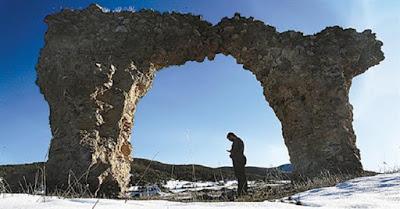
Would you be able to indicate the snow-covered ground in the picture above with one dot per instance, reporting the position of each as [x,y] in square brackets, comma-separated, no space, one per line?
[381,191]
[178,186]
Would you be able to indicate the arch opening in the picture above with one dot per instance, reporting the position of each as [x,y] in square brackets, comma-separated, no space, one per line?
[190,109]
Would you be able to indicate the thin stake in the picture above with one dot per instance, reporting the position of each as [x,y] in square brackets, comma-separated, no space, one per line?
[147,168]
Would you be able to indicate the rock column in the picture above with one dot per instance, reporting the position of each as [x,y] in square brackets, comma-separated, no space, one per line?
[306,80]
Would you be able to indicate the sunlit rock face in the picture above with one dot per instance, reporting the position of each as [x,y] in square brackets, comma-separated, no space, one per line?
[95,66]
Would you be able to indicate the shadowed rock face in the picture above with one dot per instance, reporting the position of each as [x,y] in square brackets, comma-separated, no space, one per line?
[95,67]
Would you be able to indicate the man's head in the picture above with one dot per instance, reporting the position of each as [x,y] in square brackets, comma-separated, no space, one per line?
[231,136]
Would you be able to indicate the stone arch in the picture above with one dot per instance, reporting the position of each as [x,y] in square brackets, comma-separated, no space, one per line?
[187,122]
[95,67]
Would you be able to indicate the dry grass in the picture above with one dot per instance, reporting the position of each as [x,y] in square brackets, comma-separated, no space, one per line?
[76,189]
[392,170]
[272,193]
[4,187]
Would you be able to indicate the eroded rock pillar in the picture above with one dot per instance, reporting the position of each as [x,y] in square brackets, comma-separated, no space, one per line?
[94,68]
[316,119]
[306,80]
[91,114]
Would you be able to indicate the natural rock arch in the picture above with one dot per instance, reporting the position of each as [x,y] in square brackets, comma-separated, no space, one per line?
[95,67]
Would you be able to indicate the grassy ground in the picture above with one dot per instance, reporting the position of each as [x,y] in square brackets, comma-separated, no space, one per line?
[26,177]
[29,179]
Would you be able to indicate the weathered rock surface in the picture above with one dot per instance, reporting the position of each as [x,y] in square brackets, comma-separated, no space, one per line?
[95,67]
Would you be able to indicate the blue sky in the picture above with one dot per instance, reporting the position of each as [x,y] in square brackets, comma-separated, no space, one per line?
[187,113]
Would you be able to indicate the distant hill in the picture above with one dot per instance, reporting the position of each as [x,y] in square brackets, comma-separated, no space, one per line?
[286,168]
[158,172]
[149,172]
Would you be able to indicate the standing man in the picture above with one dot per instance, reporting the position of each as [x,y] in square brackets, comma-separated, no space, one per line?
[239,162]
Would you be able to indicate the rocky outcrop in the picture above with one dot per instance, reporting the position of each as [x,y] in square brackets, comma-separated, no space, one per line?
[306,80]
[95,67]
